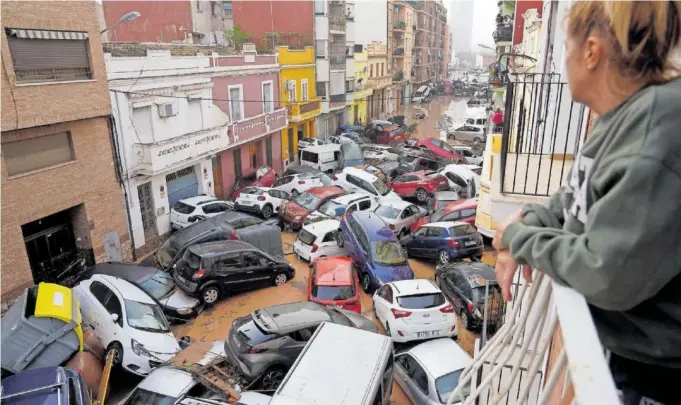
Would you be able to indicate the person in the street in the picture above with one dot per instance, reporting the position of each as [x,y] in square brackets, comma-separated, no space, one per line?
[613,232]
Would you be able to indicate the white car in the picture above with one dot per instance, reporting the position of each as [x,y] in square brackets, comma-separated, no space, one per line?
[354,180]
[307,142]
[348,202]
[462,178]
[170,385]
[193,209]
[317,240]
[467,153]
[400,215]
[429,372]
[299,183]
[414,310]
[379,152]
[467,132]
[265,201]
[126,318]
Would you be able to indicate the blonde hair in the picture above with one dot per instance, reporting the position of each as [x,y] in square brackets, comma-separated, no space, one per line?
[642,37]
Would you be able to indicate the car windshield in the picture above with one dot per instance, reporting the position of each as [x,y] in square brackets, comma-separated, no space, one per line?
[307,140]
[447,147]
[143,397]
[421,301]
[381,187]
[329,208]
[387,212]
[478,293]
[147,317]
[182,208]
[446,384]
[306,237]
[325,292]
[308,201]
[159,285]
[388,252]
[166,253]
[462,230]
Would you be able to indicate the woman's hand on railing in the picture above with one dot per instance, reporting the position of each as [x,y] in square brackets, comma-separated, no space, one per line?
[505,270]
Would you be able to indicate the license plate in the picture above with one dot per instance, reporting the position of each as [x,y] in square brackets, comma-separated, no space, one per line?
[248,202]
[179,277]
[472,243]
[428,333]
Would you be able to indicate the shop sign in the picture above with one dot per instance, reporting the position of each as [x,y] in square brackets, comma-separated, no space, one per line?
[260,125]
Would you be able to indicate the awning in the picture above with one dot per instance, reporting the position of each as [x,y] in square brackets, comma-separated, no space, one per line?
[44,34]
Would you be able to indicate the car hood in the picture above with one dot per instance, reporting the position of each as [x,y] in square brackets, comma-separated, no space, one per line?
[392,195]
[293,209]
[393,273]
[359,321]
[161,345]
[179,299]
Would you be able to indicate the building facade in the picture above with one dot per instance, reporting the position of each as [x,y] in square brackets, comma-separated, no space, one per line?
[298,96]
[61,198]
[274,23]
[359,111]
[401,30]
[380,80]
[429,42]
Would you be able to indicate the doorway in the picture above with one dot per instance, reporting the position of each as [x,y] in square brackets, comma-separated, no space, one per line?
[181,184]
[291,153]
[355,113]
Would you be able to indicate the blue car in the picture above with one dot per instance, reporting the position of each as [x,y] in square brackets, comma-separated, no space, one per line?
[374,249]
[349,128]
[444,241]
[45,386]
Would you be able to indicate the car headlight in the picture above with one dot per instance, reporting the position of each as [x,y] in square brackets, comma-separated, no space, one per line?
[138,348]
[477,313]
[298,218]
[184,311]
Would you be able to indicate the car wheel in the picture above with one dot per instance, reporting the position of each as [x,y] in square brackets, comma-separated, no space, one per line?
[210,295]
[272,378]
[280,279]
[443,257]
[294,193]
[421,195]
[465,322]
[366,283]
[477,141]
[267,211]
[402,234]
[339,239]
[118,356]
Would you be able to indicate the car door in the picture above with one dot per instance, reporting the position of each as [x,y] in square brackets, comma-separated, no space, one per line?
[408,217]
[383,303]
[402,370]
[294,343]
[328,245]
[258,269]
[399,185]
[432,241]
[284,184]
[104,305]
[415,242]
[414,380]
[457,283]
[277,197]
[216,208]
[229,271]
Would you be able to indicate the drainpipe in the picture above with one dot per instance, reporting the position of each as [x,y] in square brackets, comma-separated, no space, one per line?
[119,177]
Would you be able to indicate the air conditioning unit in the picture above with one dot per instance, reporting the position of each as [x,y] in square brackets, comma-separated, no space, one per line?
[290,85]
[167,110]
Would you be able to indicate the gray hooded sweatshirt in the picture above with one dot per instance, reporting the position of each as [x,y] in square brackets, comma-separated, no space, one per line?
[613,232]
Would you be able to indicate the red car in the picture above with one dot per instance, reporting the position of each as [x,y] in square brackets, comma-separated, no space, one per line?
[265,176]
[462,211]
[421,184]
[333,282]
[440,149]
[293,213]
[391,135]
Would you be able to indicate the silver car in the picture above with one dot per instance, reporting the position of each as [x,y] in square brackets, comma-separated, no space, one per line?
[468,133]
[429,372]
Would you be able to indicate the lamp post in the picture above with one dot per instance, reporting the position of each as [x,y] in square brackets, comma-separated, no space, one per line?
[125,18]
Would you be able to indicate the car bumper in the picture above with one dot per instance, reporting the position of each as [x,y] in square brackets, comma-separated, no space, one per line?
[174,316]
[467,252]
[187,286]
[401,332]
[235,361]
[291,223]
[255,208]
[141,365]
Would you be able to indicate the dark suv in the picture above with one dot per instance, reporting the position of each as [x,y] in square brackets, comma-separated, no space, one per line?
[410,164]
[216,269]
[464,285]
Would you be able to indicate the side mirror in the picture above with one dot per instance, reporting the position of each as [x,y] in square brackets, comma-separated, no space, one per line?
[114,317]
[340,211]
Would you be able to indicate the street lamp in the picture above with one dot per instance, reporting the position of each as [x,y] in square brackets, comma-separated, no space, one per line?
[125,18]
[487,47]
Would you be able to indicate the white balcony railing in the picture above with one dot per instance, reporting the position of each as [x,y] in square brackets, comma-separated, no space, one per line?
[550,345]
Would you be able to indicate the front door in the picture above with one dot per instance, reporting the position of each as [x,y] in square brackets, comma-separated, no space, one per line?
[217,177]
[229,272]
[146,199]
[181,184]
[258,270]
[51,247]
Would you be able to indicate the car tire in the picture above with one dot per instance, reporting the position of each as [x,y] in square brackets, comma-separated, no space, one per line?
[118,359]
[267,211]
[421,195]
[294,193]
[210,295]
[465,322]
[280,279]
[340,240]
[271,378]
[365,283]
[443,257]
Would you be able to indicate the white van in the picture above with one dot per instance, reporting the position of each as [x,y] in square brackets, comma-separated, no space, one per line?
[340,365]
[421,95]
[324,158]
[354,180]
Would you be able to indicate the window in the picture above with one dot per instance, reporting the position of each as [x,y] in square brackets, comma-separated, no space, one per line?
[227,8]
[268,150]
[100,292]
[113,306]
[349,86]
[252,259]
[236,102]
[237,162]
[420,378]
[230,262]
[320,48]
[49,56]
[267,97]
[291,89]
[382,68]
[303,90]
[321,89]
[358,48]
[467,213]
[141,121]
[364,205]
[319,6]
[253,153]
[214,208]
[37,153]
[436,232]
[329,237]
[371,70]
[194,118]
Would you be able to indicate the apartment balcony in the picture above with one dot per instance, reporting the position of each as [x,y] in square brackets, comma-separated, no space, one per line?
[337,62]
[399,26]
[362,91]
[398,77]
[303,110]
[398,52]
[336,101]
[546,353]
[380,82]
[337,25]
[503,34]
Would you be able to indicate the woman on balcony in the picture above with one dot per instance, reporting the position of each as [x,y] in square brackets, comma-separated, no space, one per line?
[613,232]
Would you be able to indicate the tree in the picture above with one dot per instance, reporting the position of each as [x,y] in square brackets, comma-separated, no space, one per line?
[237,37]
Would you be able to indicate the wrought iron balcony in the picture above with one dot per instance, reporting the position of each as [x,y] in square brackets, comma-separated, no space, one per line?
[503,33]
[399,52]
[398,76]
[399,25]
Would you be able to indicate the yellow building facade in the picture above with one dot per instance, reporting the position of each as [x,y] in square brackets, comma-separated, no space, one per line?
[359,109]
[299,95]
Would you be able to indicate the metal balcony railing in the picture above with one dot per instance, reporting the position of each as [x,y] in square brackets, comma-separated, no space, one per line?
[337,62]
[398,52]
[503,33]
[398,76]
[399,25]
[547,352]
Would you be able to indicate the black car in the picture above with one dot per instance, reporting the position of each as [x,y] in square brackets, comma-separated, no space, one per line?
[389,169]
[214,270]
[266,235]
[298,169]
[176,304]
[464,285]
[410,164]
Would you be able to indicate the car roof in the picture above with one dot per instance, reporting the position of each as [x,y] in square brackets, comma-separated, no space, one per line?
[333,271]
[477,272]
[423,173]
[287,318]
[364,175]
[374,225]
[329,147]
[132,272]
[397,204]
[197,200]
[461,204]
[346,199]
[445,194]
[167,380]
[322,227]
[460,170]
[441,356]
[220,247]
[415,286]
[325,191]
[127,289]
[445,224]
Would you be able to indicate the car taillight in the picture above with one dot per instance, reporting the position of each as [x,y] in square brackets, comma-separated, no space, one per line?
[470,307]
[234,236]
[261,198]
[334,178]
[256,350]
[301,181]
[398,313]
[198,274]
[392,227]
[453,243]
[195,218]
[447,309]
[314,248]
